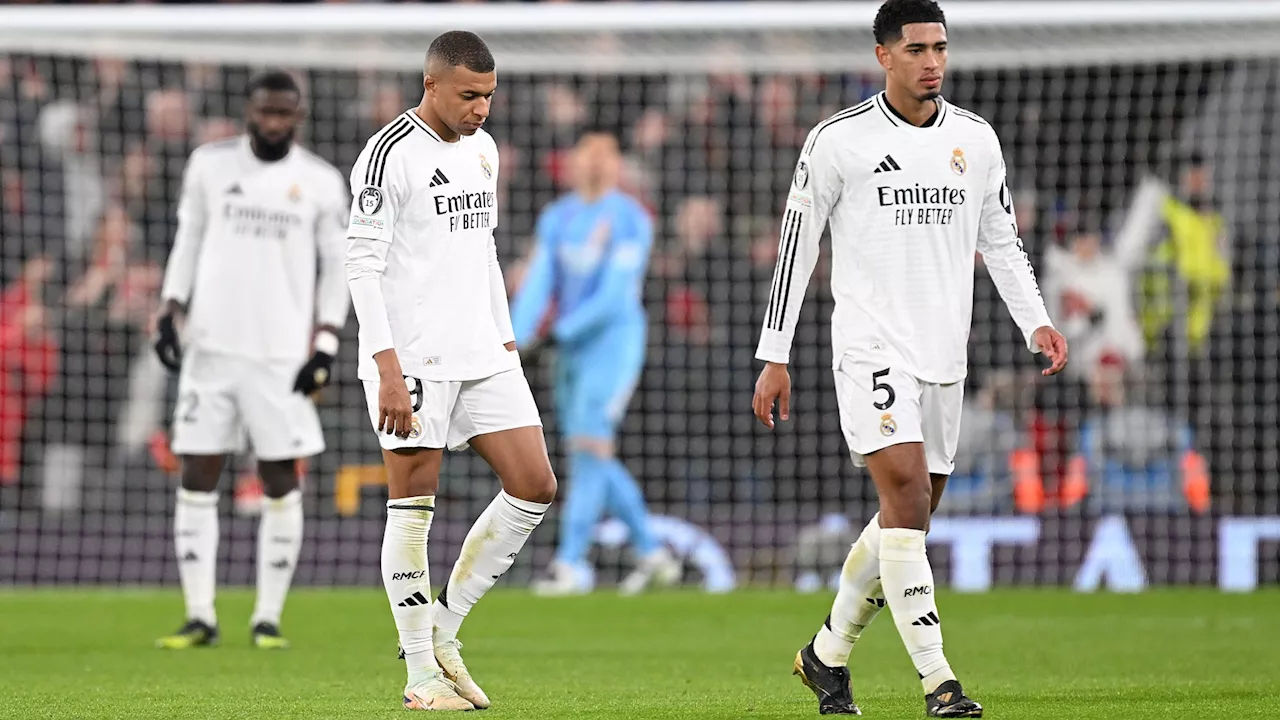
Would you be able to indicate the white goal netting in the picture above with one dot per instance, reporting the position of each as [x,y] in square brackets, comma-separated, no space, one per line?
[1143,152]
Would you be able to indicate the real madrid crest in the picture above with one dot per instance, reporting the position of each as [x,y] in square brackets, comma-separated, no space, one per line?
[484,166]
[802,175]
[958,164]
[295,193]
[415,429]
[887,426]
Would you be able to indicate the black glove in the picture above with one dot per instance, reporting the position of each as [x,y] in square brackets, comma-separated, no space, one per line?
[168,347]
[315,374]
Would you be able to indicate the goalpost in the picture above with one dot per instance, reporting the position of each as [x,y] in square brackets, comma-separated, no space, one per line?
[1141,139]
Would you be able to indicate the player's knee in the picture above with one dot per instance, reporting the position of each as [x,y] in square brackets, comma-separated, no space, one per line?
[200,473]
[907,498]
[534,485]
[279,477]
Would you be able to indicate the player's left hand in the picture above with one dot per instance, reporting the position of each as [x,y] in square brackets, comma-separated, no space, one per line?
[315,374]
[1054,346]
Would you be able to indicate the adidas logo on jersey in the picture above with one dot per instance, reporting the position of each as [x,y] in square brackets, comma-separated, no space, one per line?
[235,190]
[887,165]
[438,179]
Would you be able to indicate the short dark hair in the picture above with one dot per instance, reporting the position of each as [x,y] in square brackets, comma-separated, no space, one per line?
[273,81]
[896,13]
[459,47]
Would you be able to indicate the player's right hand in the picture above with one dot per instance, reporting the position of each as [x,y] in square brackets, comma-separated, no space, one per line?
[395,411]
[773,385]
[168,346]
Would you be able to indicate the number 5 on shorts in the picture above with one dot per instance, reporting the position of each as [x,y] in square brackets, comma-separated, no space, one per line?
[877,386]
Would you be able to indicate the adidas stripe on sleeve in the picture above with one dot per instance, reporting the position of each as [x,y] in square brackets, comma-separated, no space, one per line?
[815,187]
[376,192]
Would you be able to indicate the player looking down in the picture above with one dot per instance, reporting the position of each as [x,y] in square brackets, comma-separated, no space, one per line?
[438,357]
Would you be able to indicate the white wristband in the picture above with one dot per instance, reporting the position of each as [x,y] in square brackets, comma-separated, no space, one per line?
[327,343]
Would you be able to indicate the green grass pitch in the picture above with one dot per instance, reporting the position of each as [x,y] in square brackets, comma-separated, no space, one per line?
[1024,654]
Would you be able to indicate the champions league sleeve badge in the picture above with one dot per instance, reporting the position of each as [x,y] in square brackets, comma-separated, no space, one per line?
[802,175]
[370,201]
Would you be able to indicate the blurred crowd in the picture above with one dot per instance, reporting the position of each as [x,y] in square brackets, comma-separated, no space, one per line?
[91,158]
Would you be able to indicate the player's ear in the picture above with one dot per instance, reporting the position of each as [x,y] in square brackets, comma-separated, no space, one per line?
[882,55]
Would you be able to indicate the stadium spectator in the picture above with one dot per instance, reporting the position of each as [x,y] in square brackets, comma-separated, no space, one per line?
[72,163]
[1090,294]
[27,358]
[1133,455]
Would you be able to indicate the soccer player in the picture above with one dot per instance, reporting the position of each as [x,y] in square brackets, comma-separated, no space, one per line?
[592,250]
[258,219]
[911,186]
[438,357]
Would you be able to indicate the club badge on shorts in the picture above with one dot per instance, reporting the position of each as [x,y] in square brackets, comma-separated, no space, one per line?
[415,429]
[484,166]
[887,426]
[958,164]
[370,200]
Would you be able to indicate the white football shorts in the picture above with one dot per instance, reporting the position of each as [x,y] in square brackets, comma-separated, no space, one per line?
[447,414]
[881,405]
[224,398]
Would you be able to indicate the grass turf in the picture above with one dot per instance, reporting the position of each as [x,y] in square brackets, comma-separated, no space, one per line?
[1024,654]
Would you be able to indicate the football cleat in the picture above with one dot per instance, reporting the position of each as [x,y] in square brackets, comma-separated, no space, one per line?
[830,684]
[195,633]
[435,693]
[565,579]
[949,700]
[449,656]
[657,569]
[267,637]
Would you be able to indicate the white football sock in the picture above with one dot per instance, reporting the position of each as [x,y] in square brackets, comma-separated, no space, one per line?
[407,580]
[857,602]
[195,537]
[489,550]
[279,542]
[909,592]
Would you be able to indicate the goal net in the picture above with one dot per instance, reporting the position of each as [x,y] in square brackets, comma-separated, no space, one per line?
[1142,146]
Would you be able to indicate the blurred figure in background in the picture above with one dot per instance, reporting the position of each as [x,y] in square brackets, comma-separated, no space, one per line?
[590,260]
[1091,290]
[256,277]
[28,356]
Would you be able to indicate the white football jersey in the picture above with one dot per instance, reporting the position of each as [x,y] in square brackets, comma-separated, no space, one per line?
[908,208]
[421,261]
[252,236]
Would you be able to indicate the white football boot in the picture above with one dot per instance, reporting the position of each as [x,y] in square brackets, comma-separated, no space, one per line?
[435,693]
[450,658]
[563,580]
[657,569]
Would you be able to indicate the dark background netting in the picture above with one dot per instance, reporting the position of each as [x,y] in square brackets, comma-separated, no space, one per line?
[91,155]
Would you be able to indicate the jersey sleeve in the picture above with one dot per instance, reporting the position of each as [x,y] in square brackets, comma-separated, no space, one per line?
[1004,255]
[180,272]
[332,297]
[377,187]
[815,190]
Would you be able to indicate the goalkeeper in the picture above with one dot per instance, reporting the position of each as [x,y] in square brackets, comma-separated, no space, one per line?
[589,261]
